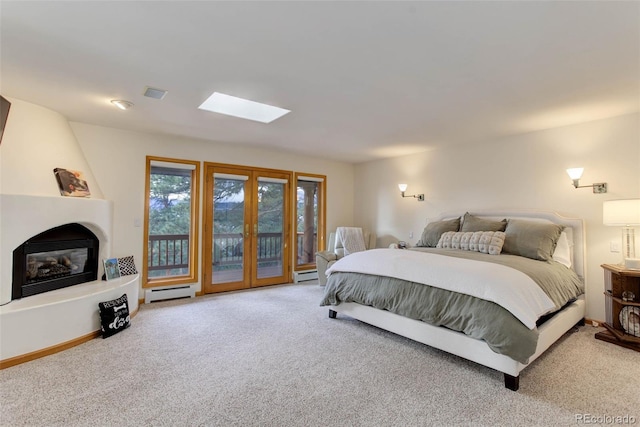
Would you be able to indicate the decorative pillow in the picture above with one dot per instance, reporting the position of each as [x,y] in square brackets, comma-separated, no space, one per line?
[487,242]
[127,266]
[474,223]
[114,316]
[535,240]
[432,232]
[452,240]
[562,254]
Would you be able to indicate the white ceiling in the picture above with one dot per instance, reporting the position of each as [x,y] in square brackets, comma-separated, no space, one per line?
[364,80]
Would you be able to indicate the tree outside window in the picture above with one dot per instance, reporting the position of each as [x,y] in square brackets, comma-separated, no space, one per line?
[309,219]
[170,221]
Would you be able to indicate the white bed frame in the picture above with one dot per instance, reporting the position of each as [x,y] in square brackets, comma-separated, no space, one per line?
[477,350]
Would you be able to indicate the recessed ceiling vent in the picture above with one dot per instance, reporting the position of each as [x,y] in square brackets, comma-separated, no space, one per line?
[151,92]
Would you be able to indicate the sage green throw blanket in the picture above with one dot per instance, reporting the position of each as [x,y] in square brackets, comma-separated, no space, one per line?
[475,317]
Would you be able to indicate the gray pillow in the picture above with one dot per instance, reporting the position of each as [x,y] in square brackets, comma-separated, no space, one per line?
[474,223]
[531,239]
[432,232]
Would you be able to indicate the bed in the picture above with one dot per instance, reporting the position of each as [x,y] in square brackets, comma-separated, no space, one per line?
[494,287]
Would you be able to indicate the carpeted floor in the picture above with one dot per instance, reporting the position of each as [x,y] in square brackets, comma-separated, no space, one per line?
[272,357]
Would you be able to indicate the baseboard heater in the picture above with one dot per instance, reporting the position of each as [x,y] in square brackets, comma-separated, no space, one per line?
[151,295]
[301,276]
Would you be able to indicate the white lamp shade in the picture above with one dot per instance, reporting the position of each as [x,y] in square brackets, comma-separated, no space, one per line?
[575,173]
[402,187]
[621,213]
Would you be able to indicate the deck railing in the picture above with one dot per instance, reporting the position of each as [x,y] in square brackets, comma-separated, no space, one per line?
[168,251]
[300,248]
[171,251]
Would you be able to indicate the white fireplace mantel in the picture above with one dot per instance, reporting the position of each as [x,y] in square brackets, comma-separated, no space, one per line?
[24,216]
[44,321]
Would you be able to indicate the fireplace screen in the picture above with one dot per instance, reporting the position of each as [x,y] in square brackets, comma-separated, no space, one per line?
[56,264]
[57,258]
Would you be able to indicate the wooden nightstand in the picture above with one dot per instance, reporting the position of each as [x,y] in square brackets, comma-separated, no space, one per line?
[616,281]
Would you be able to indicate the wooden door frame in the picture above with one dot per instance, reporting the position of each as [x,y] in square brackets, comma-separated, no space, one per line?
[250,279]
[322,215]
[207,229]
[286,229]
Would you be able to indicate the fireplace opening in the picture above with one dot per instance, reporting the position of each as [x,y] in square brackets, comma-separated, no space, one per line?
[59,257]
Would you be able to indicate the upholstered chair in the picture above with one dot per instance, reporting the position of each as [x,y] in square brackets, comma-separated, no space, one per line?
[335,251]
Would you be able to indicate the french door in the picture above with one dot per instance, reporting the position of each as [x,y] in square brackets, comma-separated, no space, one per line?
[247,223]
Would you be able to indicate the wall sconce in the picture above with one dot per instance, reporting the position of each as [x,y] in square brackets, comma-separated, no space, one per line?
[576,173]
[403,188]
[625,214]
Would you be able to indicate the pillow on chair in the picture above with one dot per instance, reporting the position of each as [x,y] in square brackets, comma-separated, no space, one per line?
[350,239]
[335,250]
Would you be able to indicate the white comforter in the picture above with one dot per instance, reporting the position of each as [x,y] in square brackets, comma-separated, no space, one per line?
[505,286]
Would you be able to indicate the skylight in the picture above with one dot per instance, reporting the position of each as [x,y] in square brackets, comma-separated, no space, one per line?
[243,108]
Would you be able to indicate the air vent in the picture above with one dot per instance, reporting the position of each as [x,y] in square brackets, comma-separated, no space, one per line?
[151,92]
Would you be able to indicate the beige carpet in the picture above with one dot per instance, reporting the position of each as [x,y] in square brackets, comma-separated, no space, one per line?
[272,357]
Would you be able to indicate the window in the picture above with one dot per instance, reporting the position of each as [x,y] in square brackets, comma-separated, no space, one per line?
[310,217]
[171,226]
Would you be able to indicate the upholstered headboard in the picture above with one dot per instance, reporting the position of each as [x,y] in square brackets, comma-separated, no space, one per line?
[574,228]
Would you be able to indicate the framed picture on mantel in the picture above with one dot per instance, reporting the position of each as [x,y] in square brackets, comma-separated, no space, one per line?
[111,269]
[71,183]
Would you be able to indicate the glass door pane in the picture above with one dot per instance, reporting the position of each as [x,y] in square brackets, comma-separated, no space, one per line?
[228,252]
[307,222]
[247,228]
[270,227]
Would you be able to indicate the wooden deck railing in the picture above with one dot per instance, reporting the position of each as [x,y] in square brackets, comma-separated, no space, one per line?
[300,248]
[171,251]
[168,251]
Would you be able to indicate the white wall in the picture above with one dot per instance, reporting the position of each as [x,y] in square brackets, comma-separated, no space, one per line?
[117,159]
[37,140]
[522,172]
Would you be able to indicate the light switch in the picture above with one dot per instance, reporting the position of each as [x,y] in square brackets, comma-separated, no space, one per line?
[615,246]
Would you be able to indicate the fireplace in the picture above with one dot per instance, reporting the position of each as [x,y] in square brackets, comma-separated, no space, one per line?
[62,256]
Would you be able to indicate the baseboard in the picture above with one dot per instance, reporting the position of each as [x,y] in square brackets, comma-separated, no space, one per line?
[302,276]
[593,322]
[174,292]
[23,358]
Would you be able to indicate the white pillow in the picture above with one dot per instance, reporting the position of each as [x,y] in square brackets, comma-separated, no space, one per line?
[562,253]
[487,242]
